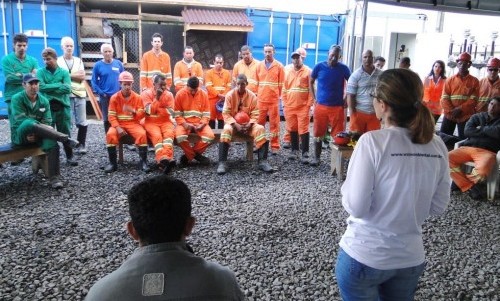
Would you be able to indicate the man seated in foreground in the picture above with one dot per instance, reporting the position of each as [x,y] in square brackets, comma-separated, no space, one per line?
[482,144]
[164,266]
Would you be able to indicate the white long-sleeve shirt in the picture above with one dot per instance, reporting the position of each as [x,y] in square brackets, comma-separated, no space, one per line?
[392,186]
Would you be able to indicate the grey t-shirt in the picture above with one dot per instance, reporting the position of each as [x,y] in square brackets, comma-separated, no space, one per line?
[361,84]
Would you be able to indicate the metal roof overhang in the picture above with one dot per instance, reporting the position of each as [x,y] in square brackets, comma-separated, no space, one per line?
[216,19]
[476,7]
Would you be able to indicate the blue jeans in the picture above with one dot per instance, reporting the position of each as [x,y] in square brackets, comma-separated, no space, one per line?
[104,104]
[79,111]
[361,282]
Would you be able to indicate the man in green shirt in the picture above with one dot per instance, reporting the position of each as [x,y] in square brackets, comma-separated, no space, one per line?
[55,85]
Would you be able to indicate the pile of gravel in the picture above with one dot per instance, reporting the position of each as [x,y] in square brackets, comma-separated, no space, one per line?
[279,232]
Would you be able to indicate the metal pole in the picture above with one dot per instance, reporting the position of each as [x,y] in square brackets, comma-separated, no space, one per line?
[363,32]
[6,51]
[353,38]
[288,22]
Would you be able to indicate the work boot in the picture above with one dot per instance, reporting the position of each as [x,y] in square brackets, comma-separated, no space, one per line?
[220,123]
[223,150]
[167,165]
[81,137]
[286,145]
[262,158]
[202,159]
[112,165]
[304,147]
[211,124]
[54,172]
[70,159]
[294,139]
[317,153]
[48,132]
[143,154]
[184,161]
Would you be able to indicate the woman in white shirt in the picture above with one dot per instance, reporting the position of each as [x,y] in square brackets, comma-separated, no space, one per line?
[397,177]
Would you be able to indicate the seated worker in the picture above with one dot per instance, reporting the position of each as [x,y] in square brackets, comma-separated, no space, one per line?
[31,124]
[159,107]
[482,144]
[240,99]
[164,267]
[125,112]
[192,113]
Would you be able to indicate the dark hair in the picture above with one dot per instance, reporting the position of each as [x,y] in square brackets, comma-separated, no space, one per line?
[156,35]
[245,48]
[379,58]
[20,38]
[269,45]
[193,82]
[242,77]
[443,69]
[402,91]
[218,55]
[188,48]
[159,208]
[405,60]
[49,52]
[158,78]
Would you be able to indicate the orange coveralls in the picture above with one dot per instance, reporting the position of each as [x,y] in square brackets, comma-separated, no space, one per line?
[183,71]
[248,104]
[195,110]
[460,92]
[152,64]
[249,70]
[216,83]
[432,94]
[270,82]
[297,100]
[487,90]
[158,123]
[127,121]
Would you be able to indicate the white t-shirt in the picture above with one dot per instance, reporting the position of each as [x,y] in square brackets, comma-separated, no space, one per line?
[392,186]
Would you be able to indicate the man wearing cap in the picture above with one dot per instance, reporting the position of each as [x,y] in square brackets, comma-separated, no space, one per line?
[270,76]
[359,100]
[247,66]
[186,68]
[459,98]
[218,83]
[489,86]
[55,85]
[297,101]
[125,113]
[192,114]
[332,76]
[105,80]
[31,124]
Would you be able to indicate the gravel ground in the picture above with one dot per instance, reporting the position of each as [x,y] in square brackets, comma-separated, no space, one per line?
[278,232]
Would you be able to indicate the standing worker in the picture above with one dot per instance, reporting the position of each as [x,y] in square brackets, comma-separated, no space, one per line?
[218,83]
[186,68]
[489,86]
[78,96]
[155,61]
[247,65]
[433,89]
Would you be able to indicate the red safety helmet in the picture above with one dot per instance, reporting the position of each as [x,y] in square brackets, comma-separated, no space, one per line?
[242,117]
[126,76]
[493,62]
[464,56]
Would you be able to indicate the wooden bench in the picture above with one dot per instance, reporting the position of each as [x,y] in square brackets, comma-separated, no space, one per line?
[339,154]
[193,138]
[11,153]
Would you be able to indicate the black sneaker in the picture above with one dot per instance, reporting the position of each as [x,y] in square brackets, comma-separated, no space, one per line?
[202,159]
[183,161]
[476,193]
[454,187]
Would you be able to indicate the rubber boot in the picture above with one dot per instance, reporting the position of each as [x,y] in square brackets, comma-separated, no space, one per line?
[143,154]
[54,171]
[294,141]
[49,132]
[220,123]
[112,165]
[107,125]
[211,124]
[167,165]
[82,138]
[223,150]
[70,159]
[304,147]
[262,158]
[317,153]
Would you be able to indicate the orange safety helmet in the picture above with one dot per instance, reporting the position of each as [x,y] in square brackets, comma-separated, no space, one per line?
[493,62]
[464,56]
[126,76]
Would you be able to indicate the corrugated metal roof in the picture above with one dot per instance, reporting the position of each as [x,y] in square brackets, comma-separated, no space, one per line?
[216,17]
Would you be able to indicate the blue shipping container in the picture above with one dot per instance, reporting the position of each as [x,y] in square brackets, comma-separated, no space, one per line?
[44,22]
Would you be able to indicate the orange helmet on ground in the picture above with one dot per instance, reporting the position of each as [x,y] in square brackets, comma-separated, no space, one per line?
[493,62]
[242,117]
[126,76]
[464,56]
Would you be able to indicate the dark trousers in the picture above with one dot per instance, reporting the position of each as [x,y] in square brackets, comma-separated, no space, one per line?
[448,127]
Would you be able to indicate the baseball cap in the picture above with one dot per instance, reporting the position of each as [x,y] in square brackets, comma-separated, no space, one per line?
[29,77]
[295,54]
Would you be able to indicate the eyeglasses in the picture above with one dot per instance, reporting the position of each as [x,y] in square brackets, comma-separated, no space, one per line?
[373,95]
[493,69]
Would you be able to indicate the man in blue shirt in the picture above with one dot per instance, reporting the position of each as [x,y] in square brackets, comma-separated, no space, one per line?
[329,98]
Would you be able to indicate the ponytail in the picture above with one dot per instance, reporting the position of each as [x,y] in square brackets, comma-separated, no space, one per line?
[422,126]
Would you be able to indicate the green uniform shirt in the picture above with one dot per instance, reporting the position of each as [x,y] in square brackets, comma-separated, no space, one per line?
[22,109]
[14,69]
[56,85]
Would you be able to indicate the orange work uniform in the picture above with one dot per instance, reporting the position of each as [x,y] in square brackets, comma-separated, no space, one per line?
[270,81]
[130,122]
[152,64]
[249,70]
[217,83]
[487,90]
[297,100]
[248,104]
[432,94]
[183,71]
[158,122]
[195,110]
[460,92]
